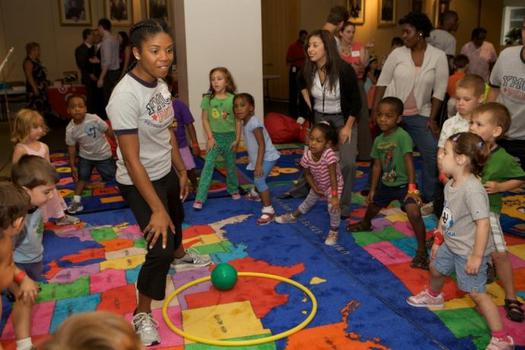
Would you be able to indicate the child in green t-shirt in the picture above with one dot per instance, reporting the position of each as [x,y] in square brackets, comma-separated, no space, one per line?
[501,173]
[223,132]
[393,176]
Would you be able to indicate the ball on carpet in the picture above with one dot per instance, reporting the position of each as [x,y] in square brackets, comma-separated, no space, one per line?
[224,276]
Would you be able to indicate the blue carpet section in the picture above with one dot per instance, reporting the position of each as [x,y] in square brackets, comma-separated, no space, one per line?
[350,274]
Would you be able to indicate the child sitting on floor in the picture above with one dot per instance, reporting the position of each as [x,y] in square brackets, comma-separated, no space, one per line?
[261,153]
[501,173]
[322,171]
[29,127]
[89,132]
[393,176]
[464,228]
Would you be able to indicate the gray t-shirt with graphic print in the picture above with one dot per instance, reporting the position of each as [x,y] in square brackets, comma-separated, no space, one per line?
[463,206]
[143,108]
[90,136]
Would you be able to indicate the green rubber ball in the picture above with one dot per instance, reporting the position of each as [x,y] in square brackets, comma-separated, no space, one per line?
[224,276]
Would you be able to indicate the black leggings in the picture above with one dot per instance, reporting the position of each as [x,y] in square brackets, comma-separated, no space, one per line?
[152,276]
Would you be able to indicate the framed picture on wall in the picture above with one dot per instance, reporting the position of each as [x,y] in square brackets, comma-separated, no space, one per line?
[119,12]
[75,12]
[157,9]
[386,13]
[356,8]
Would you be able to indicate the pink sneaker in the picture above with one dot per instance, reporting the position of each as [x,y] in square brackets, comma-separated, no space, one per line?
[506,343]
[424,299]
[236,196]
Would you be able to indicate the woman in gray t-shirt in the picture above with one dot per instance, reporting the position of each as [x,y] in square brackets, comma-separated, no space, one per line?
[141,113]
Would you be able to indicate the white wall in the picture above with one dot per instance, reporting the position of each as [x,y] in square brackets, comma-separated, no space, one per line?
[218,33]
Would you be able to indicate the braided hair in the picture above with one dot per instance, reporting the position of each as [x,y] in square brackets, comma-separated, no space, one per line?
[144,29]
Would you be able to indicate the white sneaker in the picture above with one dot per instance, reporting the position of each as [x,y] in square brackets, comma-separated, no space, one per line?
[424,299]
[192,258]
[331,239]
[75,207]
[147,328]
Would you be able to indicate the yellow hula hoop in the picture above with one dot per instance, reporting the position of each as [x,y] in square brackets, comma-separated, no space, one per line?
[240,342]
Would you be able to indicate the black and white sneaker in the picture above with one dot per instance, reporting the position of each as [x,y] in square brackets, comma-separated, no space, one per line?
[192,258]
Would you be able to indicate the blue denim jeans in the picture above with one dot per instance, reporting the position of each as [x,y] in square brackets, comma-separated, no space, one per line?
[106,168]
[260,182]
[426,144]
[447,262]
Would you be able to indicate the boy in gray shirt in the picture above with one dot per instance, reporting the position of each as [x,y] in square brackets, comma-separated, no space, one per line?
[89,132]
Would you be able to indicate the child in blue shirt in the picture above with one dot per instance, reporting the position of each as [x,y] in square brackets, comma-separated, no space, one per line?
[261,152]
[38,178]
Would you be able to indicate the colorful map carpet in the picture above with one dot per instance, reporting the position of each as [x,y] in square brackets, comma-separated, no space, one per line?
[360,284]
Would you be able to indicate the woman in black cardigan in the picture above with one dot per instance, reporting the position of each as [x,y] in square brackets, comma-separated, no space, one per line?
[330,92]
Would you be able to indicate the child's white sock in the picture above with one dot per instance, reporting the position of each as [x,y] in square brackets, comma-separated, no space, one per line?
[268,210]
[77,198]
[24,344]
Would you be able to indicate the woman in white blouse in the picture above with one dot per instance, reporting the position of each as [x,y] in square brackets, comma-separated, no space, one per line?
[417,73]
[330,92]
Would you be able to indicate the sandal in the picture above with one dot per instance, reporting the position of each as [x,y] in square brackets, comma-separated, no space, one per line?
[359,227]
[265,218]
[514,310]
[420,261]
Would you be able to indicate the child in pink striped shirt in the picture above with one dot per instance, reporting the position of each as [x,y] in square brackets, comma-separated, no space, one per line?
[323,174]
